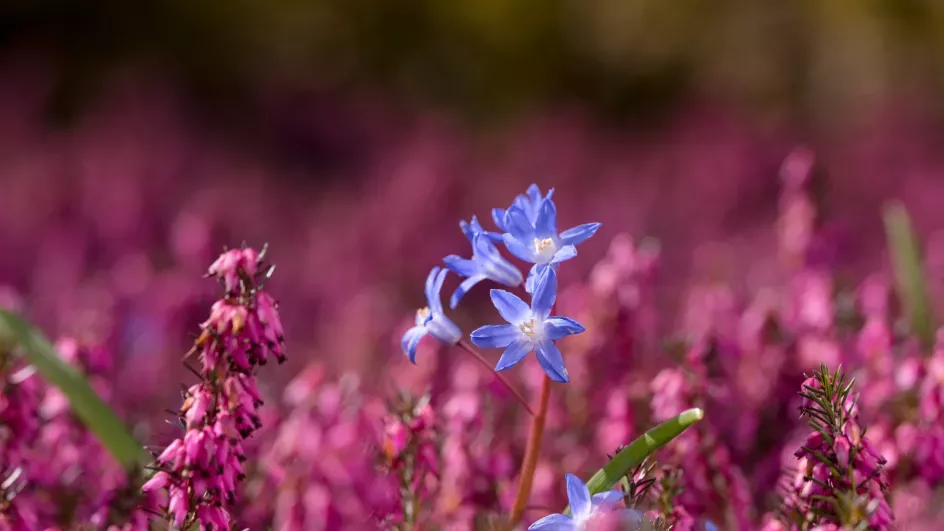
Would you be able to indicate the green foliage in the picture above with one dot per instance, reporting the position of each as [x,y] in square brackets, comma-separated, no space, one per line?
[909,272]
[633,455]
[23,339]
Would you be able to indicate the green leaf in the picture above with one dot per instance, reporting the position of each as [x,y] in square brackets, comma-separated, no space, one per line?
[909,272]
[88,407]
[632,455]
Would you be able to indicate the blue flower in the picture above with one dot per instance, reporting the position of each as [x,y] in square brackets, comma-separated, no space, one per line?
[486,262]
[539,242]
[530,204]
[431,319]
[471,228]
[583,508]
[529,328]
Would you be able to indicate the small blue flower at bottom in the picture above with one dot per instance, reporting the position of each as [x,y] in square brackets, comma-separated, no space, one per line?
[431,319]
[583,507]
[529,328]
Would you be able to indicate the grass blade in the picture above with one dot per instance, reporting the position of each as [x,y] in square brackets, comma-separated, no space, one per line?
[88,407]
[632,455]
[909,272]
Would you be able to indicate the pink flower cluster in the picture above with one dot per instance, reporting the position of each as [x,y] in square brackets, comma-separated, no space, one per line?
[55,468]
[201,469]
[318,470]
[929,444]
[19,424]
[840,479]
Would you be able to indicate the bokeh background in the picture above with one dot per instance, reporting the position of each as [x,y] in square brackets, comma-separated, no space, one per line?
[139,138]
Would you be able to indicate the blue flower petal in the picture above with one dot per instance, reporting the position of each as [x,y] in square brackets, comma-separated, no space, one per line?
[534,193]
[518,225]
[461,266]
[495,237]
[466,229]
[494,265]
[710,526]
[564,253]
[558,327]
[518,248]
[579,497]
[604,501]
[498,216]
[546,224]
[495,336]
[411,339]
[551,360]
[555,522]
[511,308]
[515,352]
[433,299]
[545,293]
[464,288]
[533,276]
[443,329]
[579,234]
[430,290]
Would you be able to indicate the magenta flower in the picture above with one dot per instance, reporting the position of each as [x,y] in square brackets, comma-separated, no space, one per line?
[201,469]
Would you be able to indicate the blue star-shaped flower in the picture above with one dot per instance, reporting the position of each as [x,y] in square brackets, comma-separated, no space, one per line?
[583,507]
[530,203]
[486,263]
[431,319]
[529,328]
[539,242]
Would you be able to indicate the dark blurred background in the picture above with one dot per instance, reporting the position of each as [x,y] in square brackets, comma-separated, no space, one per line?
[138,138]
[802,65]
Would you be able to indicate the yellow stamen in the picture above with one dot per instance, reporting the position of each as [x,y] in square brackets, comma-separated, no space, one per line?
[542,245]
[422,313]
[529,328]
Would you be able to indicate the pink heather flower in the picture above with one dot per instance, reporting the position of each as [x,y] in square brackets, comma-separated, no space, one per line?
[231,264]
[396,436]
[318,474]
[65,457]
[837,461]
[19,422]
[928,434]
[201,469]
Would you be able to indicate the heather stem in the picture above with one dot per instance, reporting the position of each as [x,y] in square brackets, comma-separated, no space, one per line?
[526,477]
[501,377]
[408,493]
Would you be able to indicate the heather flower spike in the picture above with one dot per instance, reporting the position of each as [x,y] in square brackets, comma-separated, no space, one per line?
[201,469]
[587,509]
[486,263]
[529,328]
[431,319]
[539,242]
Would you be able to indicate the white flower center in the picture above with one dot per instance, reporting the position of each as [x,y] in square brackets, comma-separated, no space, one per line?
[545,246]
[531,328]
